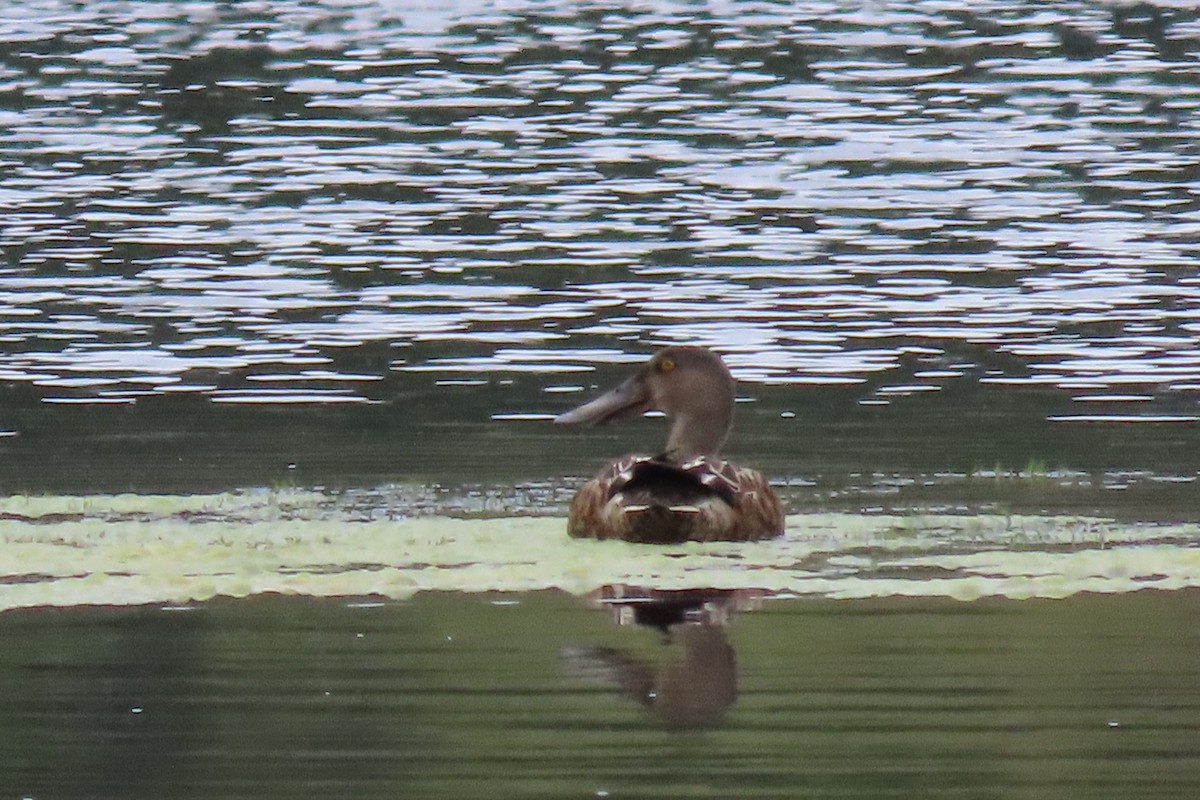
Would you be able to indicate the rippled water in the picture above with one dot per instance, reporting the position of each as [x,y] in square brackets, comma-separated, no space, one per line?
[1095,697]
[370,249]
[277,203]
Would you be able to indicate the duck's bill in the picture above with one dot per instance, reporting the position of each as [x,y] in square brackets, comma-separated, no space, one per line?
[627,399]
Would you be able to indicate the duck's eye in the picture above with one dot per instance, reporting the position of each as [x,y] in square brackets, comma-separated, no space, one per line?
[666,365]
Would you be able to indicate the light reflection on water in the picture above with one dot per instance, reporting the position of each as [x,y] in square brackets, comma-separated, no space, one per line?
[379,246]
[236,203]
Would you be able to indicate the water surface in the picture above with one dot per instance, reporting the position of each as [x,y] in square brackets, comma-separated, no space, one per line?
[1091,697]
[354,243]
[360,253]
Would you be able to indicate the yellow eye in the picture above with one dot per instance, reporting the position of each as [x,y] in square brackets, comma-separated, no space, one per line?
[666,365]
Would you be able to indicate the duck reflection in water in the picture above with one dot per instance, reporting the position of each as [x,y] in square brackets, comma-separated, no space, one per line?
[696,684]
[687,491]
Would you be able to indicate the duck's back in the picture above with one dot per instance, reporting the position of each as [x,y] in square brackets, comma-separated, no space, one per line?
[644,499]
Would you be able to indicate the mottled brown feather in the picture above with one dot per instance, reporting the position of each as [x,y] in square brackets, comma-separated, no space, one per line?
[642,499]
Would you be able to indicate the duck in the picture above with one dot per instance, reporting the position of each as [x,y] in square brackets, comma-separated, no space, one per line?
[686,492]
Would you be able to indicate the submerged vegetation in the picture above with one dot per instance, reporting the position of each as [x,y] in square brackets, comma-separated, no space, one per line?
[136,549]
[1034,470]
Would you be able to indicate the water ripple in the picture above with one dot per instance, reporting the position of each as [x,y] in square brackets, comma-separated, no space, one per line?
[256,192]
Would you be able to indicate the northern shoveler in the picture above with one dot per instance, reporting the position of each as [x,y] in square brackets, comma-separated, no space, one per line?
[688,491]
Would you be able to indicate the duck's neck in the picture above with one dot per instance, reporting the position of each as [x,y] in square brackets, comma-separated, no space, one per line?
[698,434]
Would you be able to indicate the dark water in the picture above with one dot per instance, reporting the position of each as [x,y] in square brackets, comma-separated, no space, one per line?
[1090,697]
[357,243]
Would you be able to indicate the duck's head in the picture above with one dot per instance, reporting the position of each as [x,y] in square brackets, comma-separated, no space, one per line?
[691,385]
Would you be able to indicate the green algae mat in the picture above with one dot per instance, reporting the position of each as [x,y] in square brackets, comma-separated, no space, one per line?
[139,549]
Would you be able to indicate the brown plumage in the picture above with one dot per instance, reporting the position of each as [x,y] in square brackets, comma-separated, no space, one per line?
[688,492]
